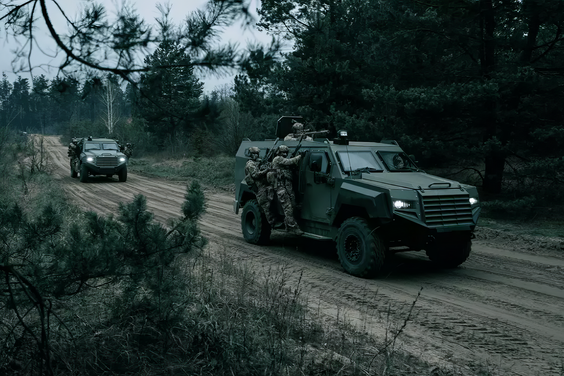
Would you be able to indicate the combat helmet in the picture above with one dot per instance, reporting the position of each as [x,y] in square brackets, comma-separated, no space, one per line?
[254,150]
[282,149]
[298,127]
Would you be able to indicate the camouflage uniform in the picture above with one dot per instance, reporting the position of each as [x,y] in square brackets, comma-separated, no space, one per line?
[127,149]
[281,178]
[73,152]
[73,148]
[255,177]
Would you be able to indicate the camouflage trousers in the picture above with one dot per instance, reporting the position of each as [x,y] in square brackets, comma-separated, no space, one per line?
[264,201]
[288,202]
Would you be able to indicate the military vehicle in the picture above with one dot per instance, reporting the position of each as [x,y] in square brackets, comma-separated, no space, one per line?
[368,197]
[97,156]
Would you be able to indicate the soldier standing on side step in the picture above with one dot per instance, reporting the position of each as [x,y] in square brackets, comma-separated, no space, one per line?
[255,177]
[281,178]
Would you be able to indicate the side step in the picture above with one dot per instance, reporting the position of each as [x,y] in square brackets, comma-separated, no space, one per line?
[315,236]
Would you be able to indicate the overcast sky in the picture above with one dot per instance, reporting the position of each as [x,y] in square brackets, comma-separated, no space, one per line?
[147,9]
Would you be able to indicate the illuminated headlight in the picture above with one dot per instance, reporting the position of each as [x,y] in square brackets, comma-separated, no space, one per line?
[89,159]
[473,201]
[343,134]
[122,159]
[399,204]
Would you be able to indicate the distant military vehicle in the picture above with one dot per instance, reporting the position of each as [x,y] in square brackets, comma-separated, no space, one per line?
[97,156]
[369,197]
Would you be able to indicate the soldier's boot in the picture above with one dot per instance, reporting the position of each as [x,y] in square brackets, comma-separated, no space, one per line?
[275,223]
[296,231]
[292,227]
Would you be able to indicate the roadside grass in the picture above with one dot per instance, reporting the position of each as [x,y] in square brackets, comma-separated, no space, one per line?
[551,228]
[217,172]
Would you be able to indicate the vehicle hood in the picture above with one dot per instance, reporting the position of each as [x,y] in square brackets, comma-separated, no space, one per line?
[412,180]
[98,153]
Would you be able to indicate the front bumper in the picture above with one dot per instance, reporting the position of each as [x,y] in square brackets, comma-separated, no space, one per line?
[106,170]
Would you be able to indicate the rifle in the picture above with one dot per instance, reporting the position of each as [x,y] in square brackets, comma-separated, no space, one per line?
[302,136]
[308,132]
[268,155]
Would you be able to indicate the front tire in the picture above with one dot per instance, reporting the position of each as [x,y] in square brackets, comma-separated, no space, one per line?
[83,174]
[361,251]
[450,255]
[255,227]
[122,174]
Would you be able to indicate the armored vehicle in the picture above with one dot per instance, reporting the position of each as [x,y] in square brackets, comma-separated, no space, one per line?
[97,156]
[368,197]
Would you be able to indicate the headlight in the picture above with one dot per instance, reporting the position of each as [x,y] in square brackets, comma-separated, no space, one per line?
[122,159]
[89,159]
[399,204]
[473,201]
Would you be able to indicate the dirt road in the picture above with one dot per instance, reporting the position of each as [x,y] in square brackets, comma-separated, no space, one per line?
[501,312]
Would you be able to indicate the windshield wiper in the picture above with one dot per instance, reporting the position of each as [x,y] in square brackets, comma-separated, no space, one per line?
[364,170]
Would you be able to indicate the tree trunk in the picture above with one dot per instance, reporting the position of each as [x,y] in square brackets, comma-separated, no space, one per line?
[495,159]
[495,164]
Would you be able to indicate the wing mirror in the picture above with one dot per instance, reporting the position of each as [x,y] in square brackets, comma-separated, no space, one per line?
[315,162]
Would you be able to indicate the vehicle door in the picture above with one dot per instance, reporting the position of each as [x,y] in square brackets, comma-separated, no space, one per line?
[316,186]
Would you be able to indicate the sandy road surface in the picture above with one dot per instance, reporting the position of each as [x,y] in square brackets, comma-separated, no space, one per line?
[502,310]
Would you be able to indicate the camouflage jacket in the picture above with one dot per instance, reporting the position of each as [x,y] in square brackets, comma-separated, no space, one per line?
[254,175]
[282,166]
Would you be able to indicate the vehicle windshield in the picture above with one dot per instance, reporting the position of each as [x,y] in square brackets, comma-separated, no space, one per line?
[359,161]
[91,146]
[111,146]
[398,161]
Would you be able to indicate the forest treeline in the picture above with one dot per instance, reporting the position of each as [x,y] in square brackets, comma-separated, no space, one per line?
[471,87]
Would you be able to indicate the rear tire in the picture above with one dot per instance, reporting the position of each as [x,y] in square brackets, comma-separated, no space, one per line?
[361,251]
[83,174]
[122,174]
[255,227]
[450,255]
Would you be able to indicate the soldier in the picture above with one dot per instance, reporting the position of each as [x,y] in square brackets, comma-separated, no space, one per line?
[127,150]
[73,148]
[398,161]
[298,130]
[282,181]
[256,179]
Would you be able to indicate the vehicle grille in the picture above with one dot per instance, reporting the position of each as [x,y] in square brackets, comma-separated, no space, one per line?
[447,210]
[106,161]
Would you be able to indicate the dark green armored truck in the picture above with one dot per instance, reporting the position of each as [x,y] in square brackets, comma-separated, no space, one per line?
[370,198]
[97,156]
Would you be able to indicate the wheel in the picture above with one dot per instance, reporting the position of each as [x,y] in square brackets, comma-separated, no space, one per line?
[255,227]
[450,255]
[361,251]
[73,172]
[122,174]
[83,173]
